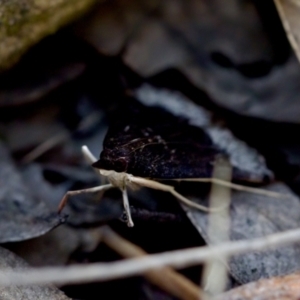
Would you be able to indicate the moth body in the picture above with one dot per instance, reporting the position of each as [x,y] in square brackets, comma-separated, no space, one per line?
[122,180]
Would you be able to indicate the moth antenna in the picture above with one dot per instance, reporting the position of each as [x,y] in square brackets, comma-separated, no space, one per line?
[44,147]
[127,207]
[235,186]
[90,158]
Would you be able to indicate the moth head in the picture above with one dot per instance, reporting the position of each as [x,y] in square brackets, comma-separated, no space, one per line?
[110,162]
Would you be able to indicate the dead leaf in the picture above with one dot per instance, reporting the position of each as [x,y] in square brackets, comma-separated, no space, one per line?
[82,209]
[37,131]
[252,74]
[26,93]
[10,261]
[22,216]
[35,175]
[289,11]
[277,288]
[95,209]
[149,291]
[64,239]
[66,61]
[255,216]
[27,22]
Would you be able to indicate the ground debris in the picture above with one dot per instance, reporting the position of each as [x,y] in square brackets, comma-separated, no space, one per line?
[254,216]
[22,216]
[277,288]
[253,82]
[10,261]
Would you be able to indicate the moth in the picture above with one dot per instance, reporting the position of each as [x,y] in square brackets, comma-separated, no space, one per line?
[146,145]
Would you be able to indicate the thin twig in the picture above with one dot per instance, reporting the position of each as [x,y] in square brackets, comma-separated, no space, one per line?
[134,266]
[59,138]
[165,278]
[214,275]
[45,146]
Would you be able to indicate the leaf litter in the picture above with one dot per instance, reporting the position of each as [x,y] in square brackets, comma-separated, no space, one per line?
[234,86]
[277,288]
[240,154]
[252,216]
[22,215]
[10,261]
[253,83]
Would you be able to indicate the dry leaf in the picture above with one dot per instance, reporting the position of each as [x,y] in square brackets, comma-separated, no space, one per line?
[277,288]
[10,261]
[22,216]
[252,73]
[241,155]
[255,216]
[22,93]
[24,23]
[289,11]
[64,239]
[81,209]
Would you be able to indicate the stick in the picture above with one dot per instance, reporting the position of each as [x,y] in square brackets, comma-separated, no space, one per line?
[165,278]
[134,266]
[214,275]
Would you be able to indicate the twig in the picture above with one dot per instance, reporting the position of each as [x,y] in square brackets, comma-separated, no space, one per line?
[45,146]
[214,276]
[165,278]
[134,266]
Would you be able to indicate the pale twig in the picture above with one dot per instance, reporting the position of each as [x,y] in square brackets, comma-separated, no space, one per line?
[134,266]
[58,138]
[165,278]
[45,146]
[214,275]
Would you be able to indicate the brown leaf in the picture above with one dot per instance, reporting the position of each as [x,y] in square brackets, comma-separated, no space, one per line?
[277,288]
[289,11]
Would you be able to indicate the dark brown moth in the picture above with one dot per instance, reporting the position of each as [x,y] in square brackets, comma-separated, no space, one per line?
[152,143]
[149,143]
